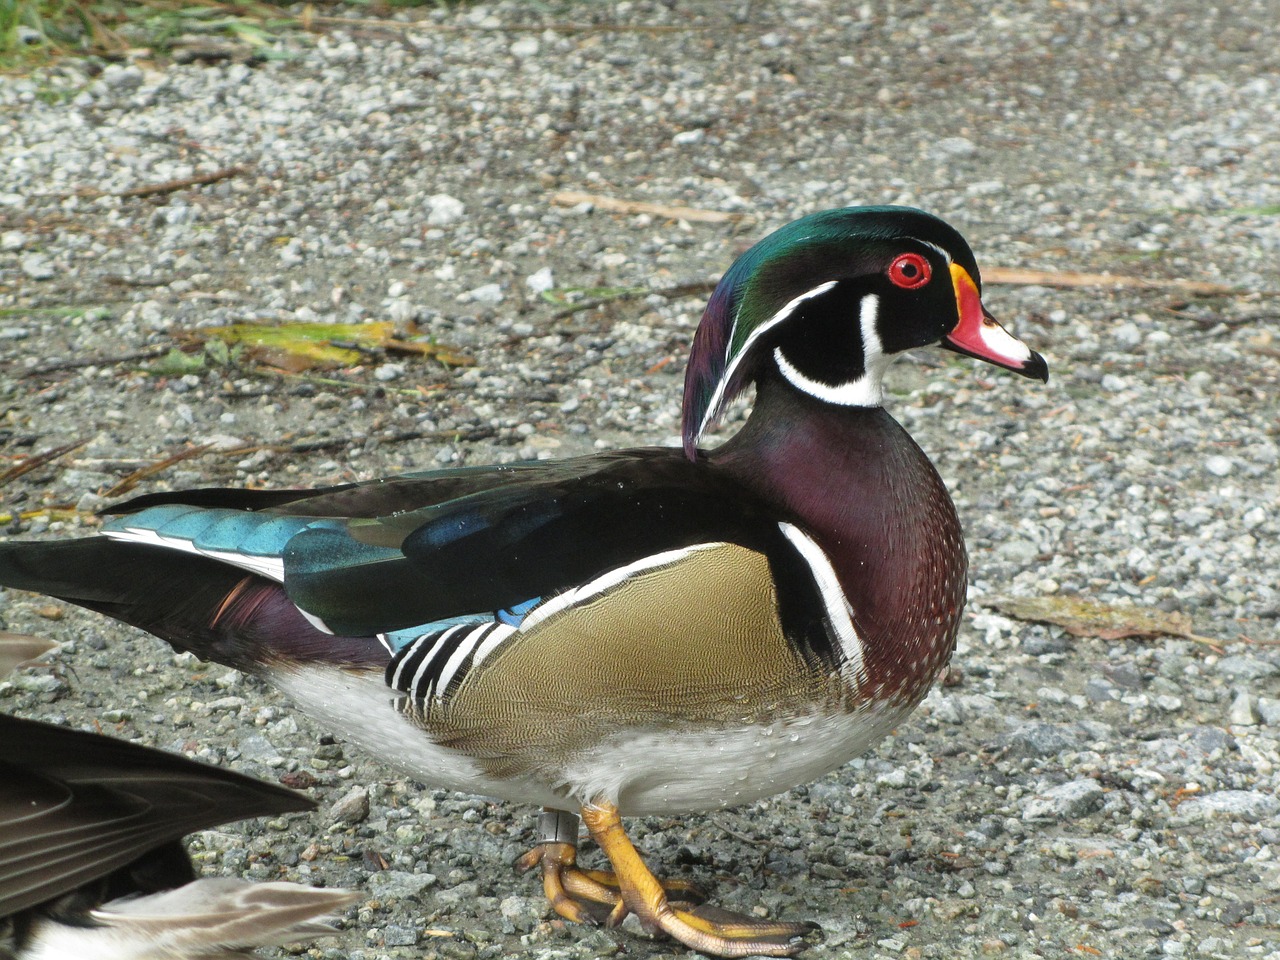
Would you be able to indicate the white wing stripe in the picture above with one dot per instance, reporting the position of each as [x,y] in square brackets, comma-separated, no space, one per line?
[492,642]
[269,567]
[440,639]
[459,656]
[604,582]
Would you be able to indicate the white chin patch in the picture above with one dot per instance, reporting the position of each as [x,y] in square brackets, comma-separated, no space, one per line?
[868,389]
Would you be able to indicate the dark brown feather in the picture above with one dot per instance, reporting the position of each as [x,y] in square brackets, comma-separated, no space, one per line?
[75,807]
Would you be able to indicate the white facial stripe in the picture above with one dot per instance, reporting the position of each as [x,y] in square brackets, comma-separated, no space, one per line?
[839,613]
[868,389]
[933,246]
[602,583]
[786,311]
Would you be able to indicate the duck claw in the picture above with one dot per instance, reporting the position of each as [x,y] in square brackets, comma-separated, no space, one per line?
[702,927]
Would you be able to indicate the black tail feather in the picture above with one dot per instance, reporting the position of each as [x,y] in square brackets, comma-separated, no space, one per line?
[211,609]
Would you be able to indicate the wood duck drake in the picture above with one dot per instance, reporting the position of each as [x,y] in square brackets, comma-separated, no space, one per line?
[648,631]
[92,864]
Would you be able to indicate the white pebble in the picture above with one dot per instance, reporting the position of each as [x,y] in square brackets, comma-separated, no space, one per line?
[38,267]
[525,47]
[443,210]
[540,281]
[1219,466]
[488,293]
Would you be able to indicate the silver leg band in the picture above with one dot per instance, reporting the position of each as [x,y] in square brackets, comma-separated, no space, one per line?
[558,826]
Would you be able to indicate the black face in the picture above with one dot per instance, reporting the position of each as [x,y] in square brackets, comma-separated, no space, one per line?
[898,295]
[799,297]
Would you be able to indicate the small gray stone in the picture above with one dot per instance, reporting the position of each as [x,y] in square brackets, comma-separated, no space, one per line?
[949,710]
[45,682]
[1250,806]
[523,911]
[396,935]
[38,267]
[353,807]
[1211,739]
[540,280]
[949,147]
[1064,802]
[122,77]
[255,746]
[825,791]
[467,890]
[1099,690]
[1242,713]
[1269,711]
[1037,645]
[1038,739]
[1018,550]
[487,293]
[526,46]
[400,885]
[1246,667]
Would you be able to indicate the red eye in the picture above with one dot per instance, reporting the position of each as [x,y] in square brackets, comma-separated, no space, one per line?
[910,271]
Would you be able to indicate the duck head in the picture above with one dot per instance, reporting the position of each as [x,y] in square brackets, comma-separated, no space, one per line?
[827,302]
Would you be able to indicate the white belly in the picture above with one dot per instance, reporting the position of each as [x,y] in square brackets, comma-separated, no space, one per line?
[643,772]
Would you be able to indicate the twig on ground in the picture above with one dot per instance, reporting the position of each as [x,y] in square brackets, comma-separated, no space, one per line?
[571,198]
[27,464]
[151,469]
[172,186]
[1019,276]
[151,189]
[93,362]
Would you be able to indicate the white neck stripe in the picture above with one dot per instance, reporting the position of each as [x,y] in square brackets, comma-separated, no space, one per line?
[786,311]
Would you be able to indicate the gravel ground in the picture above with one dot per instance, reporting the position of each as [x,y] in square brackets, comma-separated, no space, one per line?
[1067,796]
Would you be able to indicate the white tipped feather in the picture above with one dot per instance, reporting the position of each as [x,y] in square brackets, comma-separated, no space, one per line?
[270,567]
[217,918]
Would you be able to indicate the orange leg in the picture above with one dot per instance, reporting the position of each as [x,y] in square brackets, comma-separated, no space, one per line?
[709,930]
[583,896]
